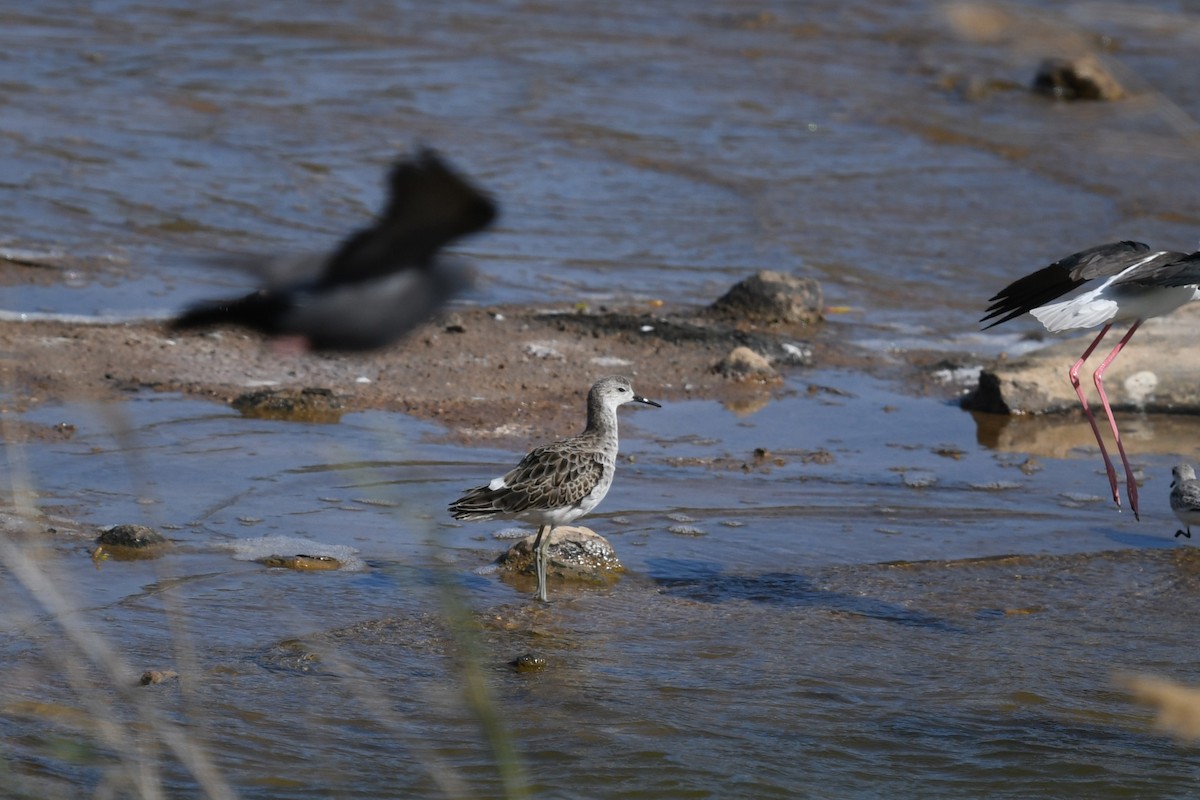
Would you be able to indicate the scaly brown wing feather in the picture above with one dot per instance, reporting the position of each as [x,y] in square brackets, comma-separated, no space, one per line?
[557,475]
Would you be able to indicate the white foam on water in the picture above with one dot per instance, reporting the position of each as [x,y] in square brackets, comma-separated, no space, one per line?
[511,533]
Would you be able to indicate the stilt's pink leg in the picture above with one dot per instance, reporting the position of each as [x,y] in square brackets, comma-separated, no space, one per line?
[1098,377]
[1087,412]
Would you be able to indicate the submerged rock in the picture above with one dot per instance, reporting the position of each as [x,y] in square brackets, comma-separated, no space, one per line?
[528,662]
[1084,78]
[770,297]
[156,676]
[301,562]
[576,553]
[310,404]
[129,542]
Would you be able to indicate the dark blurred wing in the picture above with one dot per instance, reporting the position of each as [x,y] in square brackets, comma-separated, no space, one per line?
[260,311]
[429,205]
[369,314]
[380,283]
[1052,282]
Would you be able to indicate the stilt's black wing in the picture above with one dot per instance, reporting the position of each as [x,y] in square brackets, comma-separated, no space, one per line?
[1049,283]
[1170,269]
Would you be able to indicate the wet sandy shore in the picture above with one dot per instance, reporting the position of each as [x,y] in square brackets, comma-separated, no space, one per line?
[504,372]
[514,372]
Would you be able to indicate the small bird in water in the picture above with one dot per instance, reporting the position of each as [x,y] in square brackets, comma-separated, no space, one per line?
[1185,498]
[1131,283]
[380,283]
[558,483]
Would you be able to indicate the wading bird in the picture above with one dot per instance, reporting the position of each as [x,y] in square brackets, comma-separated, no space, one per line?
[558,483]
[1129,283]
[1185,498]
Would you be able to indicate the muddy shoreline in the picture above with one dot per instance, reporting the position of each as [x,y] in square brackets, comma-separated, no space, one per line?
[510,372]
[519,373]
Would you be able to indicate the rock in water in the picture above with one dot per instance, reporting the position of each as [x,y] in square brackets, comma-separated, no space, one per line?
[129,542]
[770,297]
[1084,78]
[576,553]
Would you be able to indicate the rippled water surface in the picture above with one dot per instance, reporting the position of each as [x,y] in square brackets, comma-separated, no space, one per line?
[890,595]
[909,609]
[660,149]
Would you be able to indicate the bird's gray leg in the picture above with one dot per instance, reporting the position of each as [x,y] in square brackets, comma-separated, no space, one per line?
[541,548]
[1186,535]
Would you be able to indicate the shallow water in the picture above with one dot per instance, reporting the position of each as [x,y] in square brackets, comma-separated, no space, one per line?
[772,637]
[650,151]
[790,627]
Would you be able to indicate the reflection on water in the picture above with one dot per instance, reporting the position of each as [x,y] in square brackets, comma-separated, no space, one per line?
[1064,436]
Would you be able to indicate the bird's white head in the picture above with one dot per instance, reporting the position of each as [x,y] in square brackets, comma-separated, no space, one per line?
[1181,473]
[616,390]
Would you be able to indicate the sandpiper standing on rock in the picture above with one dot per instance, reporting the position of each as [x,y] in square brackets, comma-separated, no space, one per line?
[1185,498]
[1136,283]
[558,483]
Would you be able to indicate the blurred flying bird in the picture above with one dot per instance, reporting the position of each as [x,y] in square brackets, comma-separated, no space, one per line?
[380,283]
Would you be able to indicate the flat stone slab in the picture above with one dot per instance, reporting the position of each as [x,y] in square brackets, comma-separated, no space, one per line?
[1157,372]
